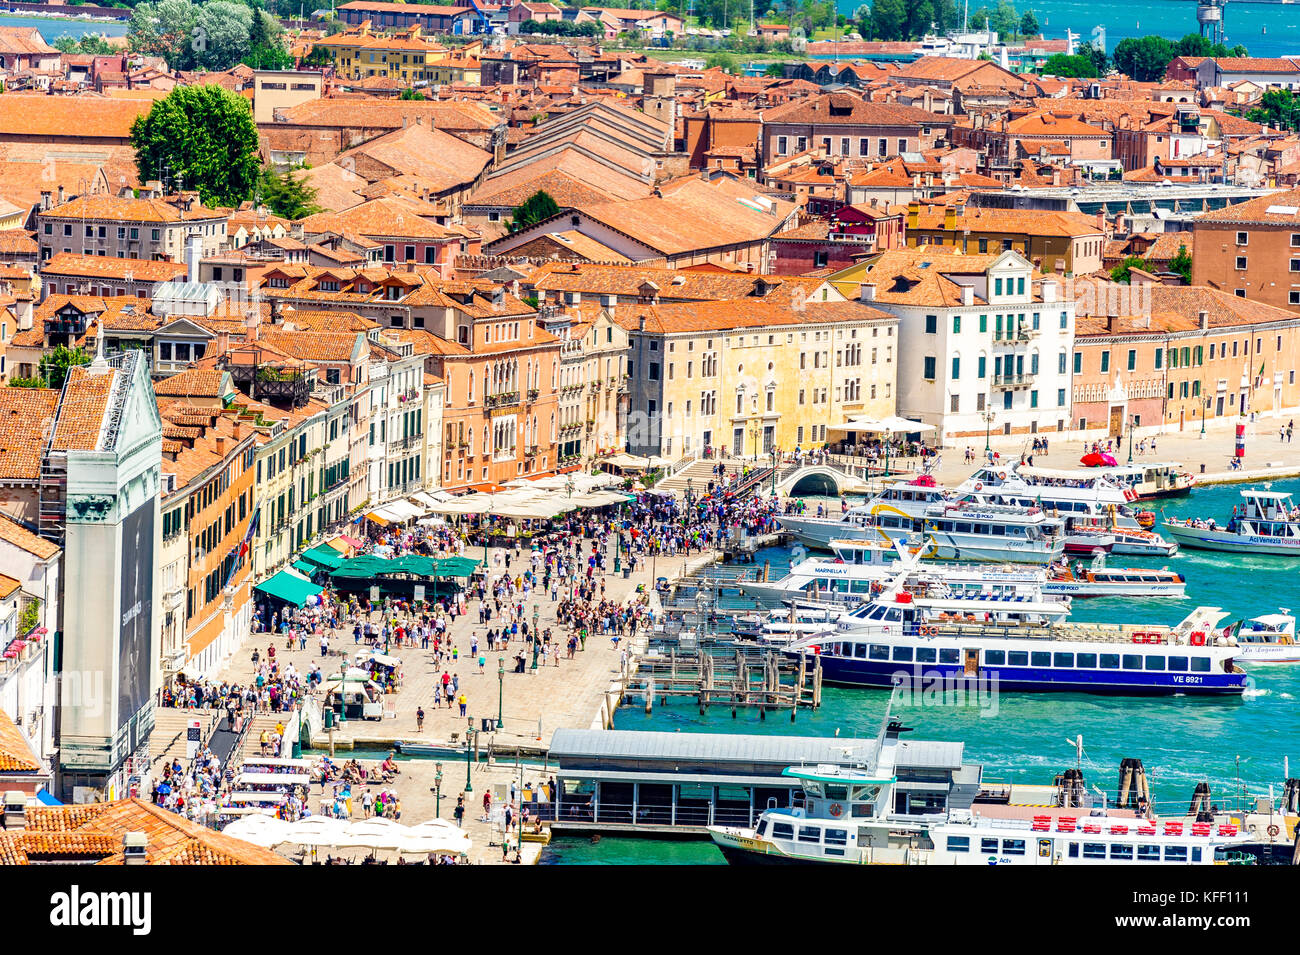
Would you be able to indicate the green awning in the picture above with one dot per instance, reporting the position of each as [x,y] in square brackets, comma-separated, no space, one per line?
[413,564]
[306,566]
[324,556]
[289,587]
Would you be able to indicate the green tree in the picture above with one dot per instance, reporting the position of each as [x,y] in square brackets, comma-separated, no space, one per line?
[221,32]
[410,93]
[1029,24]
[203,135]
[534,209]
[1097,57]
[775,70]
[721,61]
[1120,273]
[286,193]
[91,43]
[888,19]
[54,366]
[1182,264]
[1278,108]
[1145,59]
[920,17]
[319,56]
[266,44]
[166,29]
[1080,67]
[1004,19]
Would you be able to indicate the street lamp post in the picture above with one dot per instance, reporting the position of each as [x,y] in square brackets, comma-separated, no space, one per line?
[988,417]
[1130,439]
[501,689]
[437,789]
[469,751]
[774,472]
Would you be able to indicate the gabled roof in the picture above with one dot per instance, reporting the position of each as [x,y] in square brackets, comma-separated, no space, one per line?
[849,109]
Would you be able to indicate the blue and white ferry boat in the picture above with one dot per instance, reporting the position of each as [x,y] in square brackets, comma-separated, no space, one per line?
[1265,523]
[1022,645]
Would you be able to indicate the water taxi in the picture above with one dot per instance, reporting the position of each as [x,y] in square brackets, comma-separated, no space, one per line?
[1269,638]
[862,816]
[1265,523]
[1139,481]
[1098,580]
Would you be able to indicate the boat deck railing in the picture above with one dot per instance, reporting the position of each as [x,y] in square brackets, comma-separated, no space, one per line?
[1077,632]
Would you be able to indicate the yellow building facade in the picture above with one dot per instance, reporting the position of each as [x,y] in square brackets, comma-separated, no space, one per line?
[405,56]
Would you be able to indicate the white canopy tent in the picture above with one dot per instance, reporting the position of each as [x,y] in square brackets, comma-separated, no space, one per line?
[891,425]
[259,829]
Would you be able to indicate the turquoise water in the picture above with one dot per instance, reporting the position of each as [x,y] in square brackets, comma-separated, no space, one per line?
[1026,737]
[1265,29]
[54,27]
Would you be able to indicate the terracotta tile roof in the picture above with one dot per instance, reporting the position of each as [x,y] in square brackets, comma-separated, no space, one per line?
[678,317]
[1044,123]
[1256,210]
[192,382]
[123,209]
[1010,221]
[107,267]
[98,830]
[1173,308]
[26,416]
[849,109]
[674,284]
[17,242]
[16,754]
[81,413]
[921,276]
[1257,64]
[379,218]
[68,117]
[438,160]
[11,532]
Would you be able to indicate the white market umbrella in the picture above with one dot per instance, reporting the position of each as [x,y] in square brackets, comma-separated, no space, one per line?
[318,831]
[899,425]
[259,829]
[376,833]
[425,843]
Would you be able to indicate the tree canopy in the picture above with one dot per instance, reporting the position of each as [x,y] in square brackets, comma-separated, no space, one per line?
[536,208]
[285,193]
[205,138]
[1278,108]
[54,366]
[208,36]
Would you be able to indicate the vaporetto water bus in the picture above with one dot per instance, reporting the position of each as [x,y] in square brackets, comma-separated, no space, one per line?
[1023,646]
[1265,523]
[855,816]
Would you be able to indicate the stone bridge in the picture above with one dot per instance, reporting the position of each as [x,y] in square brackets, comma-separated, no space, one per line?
[831,478]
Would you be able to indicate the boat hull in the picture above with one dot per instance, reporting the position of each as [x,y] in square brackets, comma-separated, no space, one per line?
[841,671]
[1269,653]
[1221,539]
[1078,588]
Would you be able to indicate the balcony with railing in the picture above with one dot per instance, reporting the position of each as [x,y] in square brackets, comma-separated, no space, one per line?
[1013,380]
[503,399]
[1015,336]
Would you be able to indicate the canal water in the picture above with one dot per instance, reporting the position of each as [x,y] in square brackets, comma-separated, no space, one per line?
[1237,745]
[54,27]
[1265,29]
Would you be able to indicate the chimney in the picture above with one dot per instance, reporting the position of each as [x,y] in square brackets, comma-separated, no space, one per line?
[15,814]
[60,194]
[252,325]
[1101,220]
[1110,320]
[277,313]
[913,214]
[45,200]
[1049,292]
[221,445]
[868,292]
[134,847]
[193,252]
[967,296]
[23,310]
[223,342]
[1203,320]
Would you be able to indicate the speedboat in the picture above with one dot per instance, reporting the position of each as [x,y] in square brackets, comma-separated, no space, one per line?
[1099,580]
[1265,523]
[1269,638]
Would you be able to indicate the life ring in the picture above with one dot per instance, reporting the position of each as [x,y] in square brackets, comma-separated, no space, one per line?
[836,810]
[1002,475]
[1273,830]
[979,486]
[929,631]
[1198,638]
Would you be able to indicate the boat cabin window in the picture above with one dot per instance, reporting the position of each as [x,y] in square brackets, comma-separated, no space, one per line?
[1200,664]
[782,830]
[988,845]
[1094,850]
[1175,853]
[1196,853]
[1073,850]
[810,834]
[837,837]
[999,530]
[1148,853]
[762,827]
[1155,663]
[860,651]
[1013,847]
[1178,664]
[1065,660]
[1118,851]
[879,652]
[1040,658]
[959,844]
[837,793]
[1110,661]
[1085,661]
[926,655]
[811,788]
[1132,661]
[1018,658]
[903,654]
[949,655]
[995,658]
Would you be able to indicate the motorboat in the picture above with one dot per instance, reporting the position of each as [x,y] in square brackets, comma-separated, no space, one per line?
[1265,523]
[1269,638]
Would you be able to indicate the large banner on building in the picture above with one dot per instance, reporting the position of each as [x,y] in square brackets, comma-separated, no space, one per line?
[134,650]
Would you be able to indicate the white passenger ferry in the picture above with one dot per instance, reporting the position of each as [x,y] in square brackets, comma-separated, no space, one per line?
[851,816]
[1265,523]
[1098,580]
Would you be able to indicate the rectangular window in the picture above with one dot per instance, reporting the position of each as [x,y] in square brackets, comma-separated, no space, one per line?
[982,366]
[956,324]
[1078,363]
[1105,362]
[928,374]
[931,324]
[1132,359]
[956,368]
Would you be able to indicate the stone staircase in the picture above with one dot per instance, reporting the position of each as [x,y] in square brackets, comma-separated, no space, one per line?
[700,473]
[250,744]
[167,741]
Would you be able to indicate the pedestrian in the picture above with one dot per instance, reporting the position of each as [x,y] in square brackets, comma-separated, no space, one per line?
[324,644]
[463,703]
[460,810]
[419,719]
